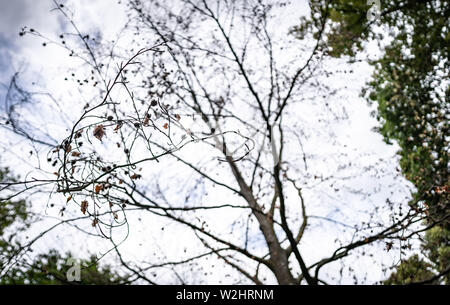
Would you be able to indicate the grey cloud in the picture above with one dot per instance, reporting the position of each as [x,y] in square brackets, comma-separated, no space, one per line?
[14,14]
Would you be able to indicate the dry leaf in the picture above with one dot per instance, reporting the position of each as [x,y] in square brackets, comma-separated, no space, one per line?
[94,222]
[84,205]
[68,148]
[76,154]
[166,125]
[135,176]
[69,198]
[442,189]
[99,132]
[98,188]
[388,246]
[118,126]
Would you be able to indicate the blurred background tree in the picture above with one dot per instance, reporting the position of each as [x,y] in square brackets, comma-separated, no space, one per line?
[51,269]
[411,89]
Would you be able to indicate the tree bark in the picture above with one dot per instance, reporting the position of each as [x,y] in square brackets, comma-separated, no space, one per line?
[278,256]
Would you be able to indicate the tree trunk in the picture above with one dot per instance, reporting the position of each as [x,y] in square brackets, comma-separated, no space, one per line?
[278,256]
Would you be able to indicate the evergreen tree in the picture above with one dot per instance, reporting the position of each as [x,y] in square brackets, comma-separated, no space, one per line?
[51,269]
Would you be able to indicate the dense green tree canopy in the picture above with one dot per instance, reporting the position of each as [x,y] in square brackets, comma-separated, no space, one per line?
[411,89]
[12,214]
[51,269]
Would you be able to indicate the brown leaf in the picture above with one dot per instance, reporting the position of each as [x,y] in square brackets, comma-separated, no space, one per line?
[68,148]
[76,154]
[84,205]
[94,222]
[177,116]
[135,176]
[118,126]
[99,132]
[98,188]
[146,120]
[388,246]
[166,125]
[69,198]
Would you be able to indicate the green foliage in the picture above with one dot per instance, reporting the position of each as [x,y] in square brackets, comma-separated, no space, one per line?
[10,211]
[347,26]
[412,109]
[410,88]
[13,219]
[51,269]
[409,271]
[437,247]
